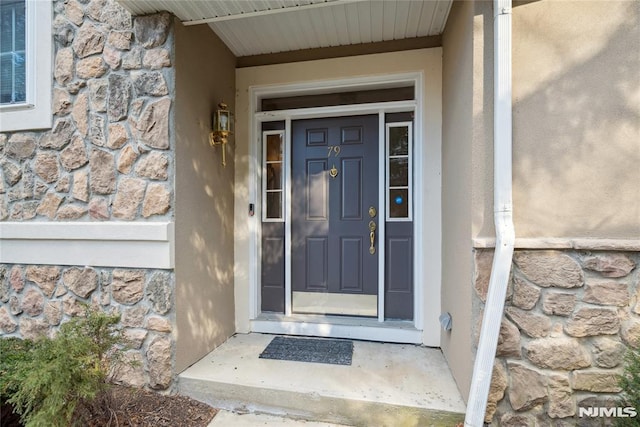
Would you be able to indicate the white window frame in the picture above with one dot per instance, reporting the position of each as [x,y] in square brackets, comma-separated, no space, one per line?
[35,112]
[409,157]
[265,135]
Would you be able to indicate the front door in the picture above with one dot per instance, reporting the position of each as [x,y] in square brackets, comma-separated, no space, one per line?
[335,215]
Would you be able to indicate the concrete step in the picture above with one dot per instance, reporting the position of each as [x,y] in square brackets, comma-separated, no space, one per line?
[231,419]
[386,385]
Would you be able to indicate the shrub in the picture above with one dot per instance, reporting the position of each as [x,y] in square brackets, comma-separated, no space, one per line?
[630,384]
[61,374]
[12,351]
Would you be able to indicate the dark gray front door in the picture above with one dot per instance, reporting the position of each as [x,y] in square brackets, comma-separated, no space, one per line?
[334,212]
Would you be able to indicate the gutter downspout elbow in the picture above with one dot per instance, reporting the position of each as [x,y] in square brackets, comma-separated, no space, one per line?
[503,217]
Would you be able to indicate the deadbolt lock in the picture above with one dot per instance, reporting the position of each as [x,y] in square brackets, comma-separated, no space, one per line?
[372,212]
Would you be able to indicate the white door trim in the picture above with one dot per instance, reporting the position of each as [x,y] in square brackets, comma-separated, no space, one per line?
[265,323]
[382,223]
[288,298]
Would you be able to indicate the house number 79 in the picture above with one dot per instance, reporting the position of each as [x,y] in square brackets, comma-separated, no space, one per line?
[333,150]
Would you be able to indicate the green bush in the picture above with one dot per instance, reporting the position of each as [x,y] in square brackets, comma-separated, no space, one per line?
[12,352]
[61,374]
[630,384]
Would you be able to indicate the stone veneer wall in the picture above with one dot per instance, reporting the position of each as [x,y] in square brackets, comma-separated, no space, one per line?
[108,157]
[37,299]
[569,318]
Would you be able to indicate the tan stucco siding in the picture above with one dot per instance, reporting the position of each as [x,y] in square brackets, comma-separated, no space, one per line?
[576,119]
[576,135]
[457,148]
[482,104]
[204,196]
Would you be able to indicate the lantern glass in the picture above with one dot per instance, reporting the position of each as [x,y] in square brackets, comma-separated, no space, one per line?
[222,124]
[223,121]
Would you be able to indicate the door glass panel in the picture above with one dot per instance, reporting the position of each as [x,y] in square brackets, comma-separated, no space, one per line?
[399,203]
[272,175]
[399,172]
[274,204]
[399,141]
[338,98]
[274,148]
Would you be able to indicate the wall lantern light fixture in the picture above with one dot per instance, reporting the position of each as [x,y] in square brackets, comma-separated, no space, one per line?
[222,127]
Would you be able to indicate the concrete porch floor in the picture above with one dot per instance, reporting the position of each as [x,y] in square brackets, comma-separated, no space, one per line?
[386,385]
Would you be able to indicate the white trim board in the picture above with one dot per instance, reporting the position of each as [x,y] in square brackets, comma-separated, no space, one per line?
[345,327]
[581,243]
[99,244]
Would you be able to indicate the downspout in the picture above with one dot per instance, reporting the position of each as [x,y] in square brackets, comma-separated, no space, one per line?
[503,216]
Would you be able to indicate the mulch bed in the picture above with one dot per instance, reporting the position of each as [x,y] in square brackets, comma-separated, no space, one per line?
[129,407]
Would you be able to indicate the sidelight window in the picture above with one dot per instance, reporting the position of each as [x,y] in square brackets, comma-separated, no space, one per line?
[399,171]
[273,175]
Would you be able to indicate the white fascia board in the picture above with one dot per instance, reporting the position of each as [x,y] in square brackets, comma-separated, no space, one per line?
[112,244]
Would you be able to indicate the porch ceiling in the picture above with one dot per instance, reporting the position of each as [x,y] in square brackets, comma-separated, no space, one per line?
[255,27]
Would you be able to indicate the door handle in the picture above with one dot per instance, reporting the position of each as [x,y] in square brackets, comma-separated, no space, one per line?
[372,237]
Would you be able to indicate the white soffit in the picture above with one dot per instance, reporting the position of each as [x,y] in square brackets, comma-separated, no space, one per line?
[255,27]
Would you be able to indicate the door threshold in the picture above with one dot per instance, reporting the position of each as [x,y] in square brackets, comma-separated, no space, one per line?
[359,328]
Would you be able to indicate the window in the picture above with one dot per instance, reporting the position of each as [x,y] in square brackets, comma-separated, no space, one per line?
[399,173]
[273,175]
[333,98]
[13,86]
[25,64]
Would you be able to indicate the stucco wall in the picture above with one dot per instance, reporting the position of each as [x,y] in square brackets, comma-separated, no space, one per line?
[576,129]
[577,119]
[426,60]
[204,196]
[482,155]
[457,142]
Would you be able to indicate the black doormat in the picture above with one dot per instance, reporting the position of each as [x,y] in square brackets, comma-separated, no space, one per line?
[335,352]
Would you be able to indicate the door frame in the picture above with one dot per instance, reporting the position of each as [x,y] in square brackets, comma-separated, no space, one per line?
[374,329]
